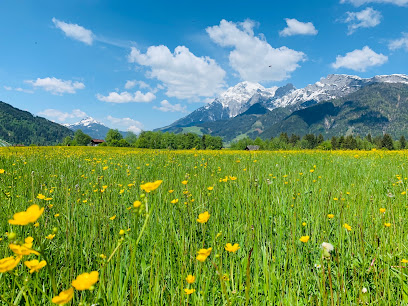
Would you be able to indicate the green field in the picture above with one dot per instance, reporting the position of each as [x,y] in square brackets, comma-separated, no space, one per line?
[264,201]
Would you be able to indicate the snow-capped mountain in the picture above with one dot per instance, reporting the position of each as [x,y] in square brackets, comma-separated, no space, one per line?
[92,127]
[332,87]
[88,121]
[239,98]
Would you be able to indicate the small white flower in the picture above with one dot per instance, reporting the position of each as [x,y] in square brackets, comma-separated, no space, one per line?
[364,290]
[317,266]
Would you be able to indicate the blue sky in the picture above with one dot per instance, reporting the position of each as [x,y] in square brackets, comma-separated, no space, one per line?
[141,65]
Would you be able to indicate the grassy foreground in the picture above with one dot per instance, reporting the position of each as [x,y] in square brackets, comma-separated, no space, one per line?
[269,203]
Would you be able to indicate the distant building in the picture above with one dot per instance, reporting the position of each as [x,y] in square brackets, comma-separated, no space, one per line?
[96,142]
[252,148]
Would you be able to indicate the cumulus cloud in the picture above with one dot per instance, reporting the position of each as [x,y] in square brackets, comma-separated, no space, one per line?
[61,116]
[361,2]
[183,74]
[75,31]
[367,18]
[56,86]
[295,27]
[126,97]
[126,123]
[252,57]
[399,43]
[166,106]
[18,89]
[360,60]
[132,83]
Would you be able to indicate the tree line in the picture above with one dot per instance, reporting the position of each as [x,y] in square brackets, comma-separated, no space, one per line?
[311,141]
[149,140]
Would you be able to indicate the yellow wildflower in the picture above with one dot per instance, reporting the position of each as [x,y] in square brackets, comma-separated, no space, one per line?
[382,210]
[203,218]
[121,232]
[346,226]
[85,280]
[56,215]
[137,204]
[210,188]
[330,216]
[190,279]
[304,224]
[103,256]
[1,171]
[29,216]
[151,186]
[304,239]
[113,217]
[50,236]
[203,254]
[9,263]
[184,182]
[175,201]
[232,248]
[35,265]
[64,297]
[189,291]
[404,261]
[25,249]
[40,196]
[387,224]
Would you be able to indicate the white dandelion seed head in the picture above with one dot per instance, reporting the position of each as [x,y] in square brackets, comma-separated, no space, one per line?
[327,247]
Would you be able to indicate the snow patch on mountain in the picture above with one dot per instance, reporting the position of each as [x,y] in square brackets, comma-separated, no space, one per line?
[86,122]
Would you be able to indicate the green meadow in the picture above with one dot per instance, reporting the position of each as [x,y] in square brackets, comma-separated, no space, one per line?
[279,207]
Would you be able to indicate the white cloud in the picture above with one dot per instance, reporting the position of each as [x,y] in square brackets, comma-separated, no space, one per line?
[61,116]
[75,31]
[184,75]
[295,27]
[126,97]
[18,89]
[126,123]
[166,106]
[253,58]
[56,86]
[360,60]
[132,83]
[400,43]
[367,18]
[361,2]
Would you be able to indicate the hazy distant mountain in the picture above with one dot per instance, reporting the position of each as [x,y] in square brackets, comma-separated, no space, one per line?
[92,127]
[21,127]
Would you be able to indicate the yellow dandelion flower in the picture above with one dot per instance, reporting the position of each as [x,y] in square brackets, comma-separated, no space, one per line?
[404,260]
[190,279]
[330,216]
[24,249]
[202,254]
[151,186]
[40,196]
[113,217]
[50,236]
[35,265]
[184,182]
[232,248]
[137,204]
[387,224]
[210,188]
[175,201]
[382,210]
[64,297]
[304,239]
[189,291]
[9,263]
[29,216]
[346,226]
[85,280]
[203,218]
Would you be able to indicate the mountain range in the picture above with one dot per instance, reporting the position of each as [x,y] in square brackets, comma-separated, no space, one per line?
[92,127]
[336,104]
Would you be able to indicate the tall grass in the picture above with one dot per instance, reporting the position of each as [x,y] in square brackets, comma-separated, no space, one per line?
[276,198]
